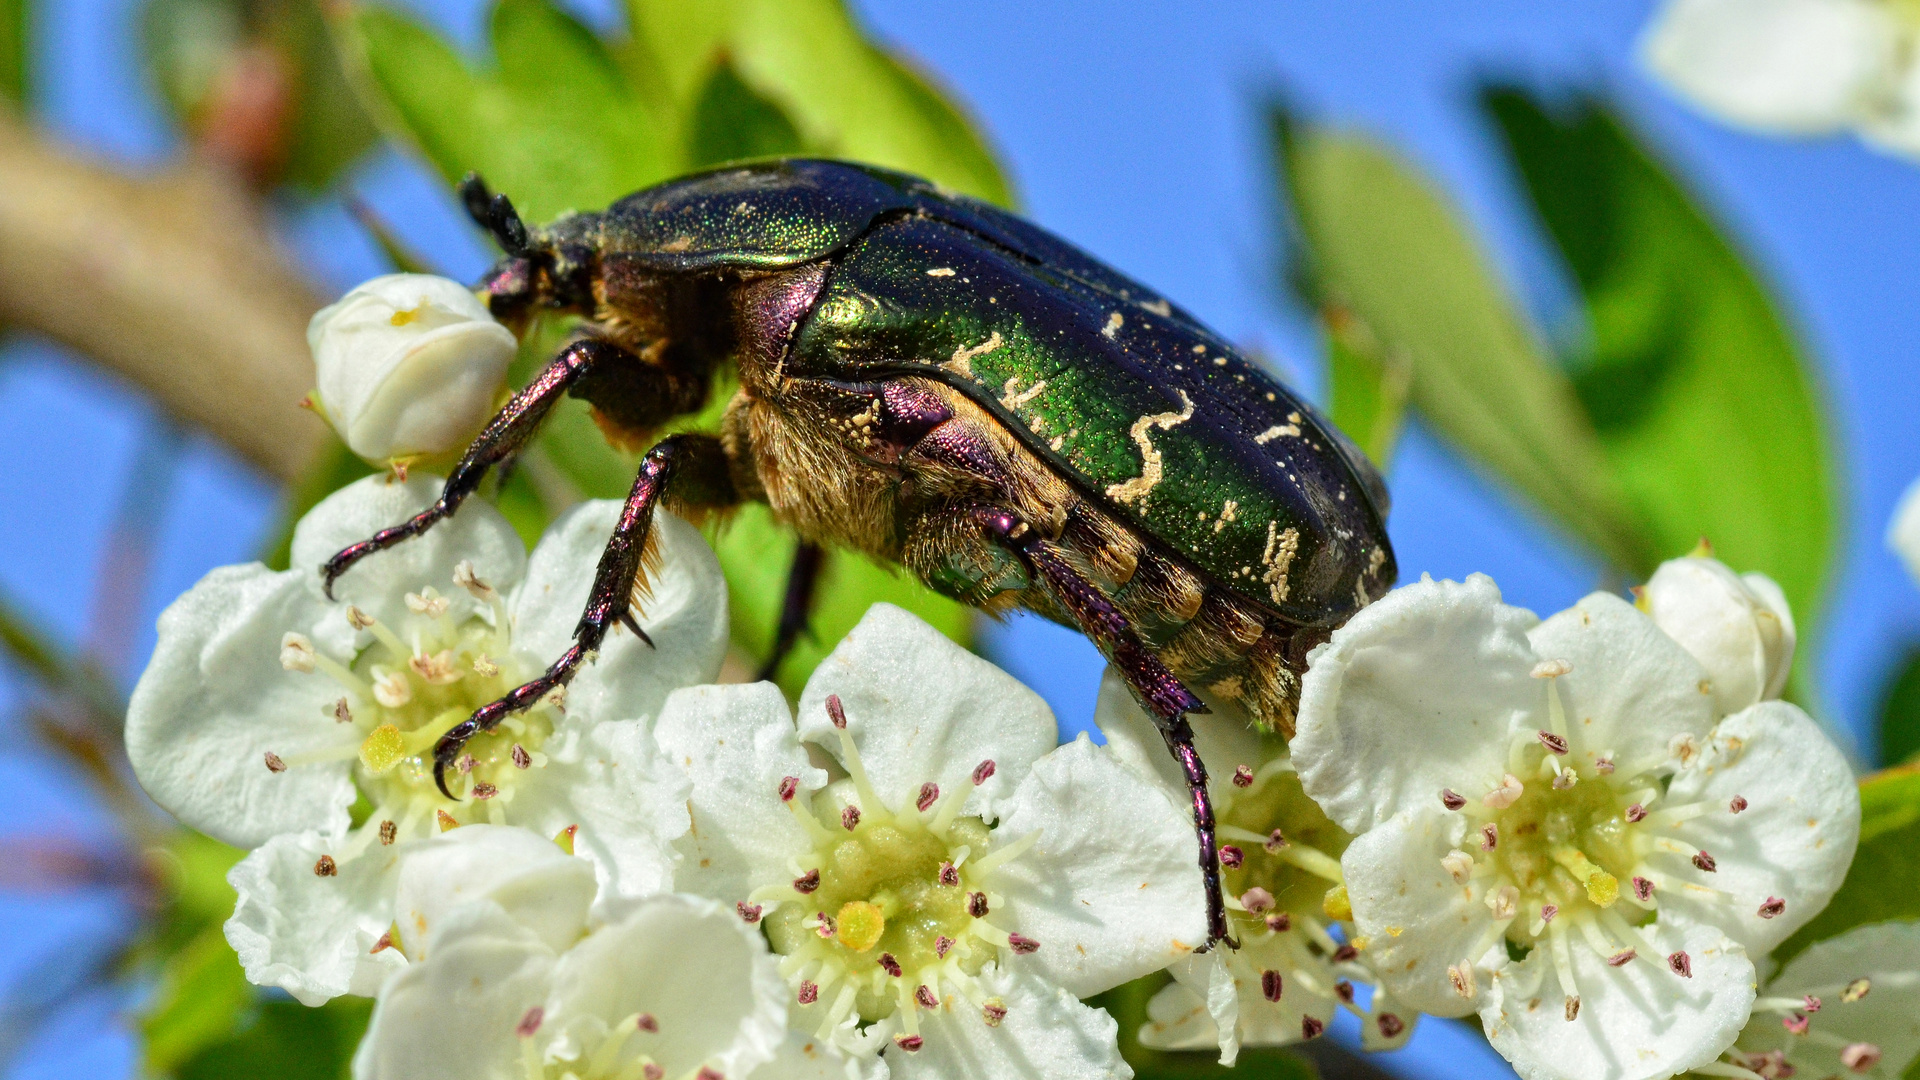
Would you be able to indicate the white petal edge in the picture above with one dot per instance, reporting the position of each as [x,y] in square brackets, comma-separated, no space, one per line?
[685,613]
[1111,889]
[312,936]
[1417,920]
[736,743]
[1637,1022]
[1793,66]
[214,701]
[1795,839]
[1417,692]
[706,977]
[454,1018]
[1047,1034]
[921,708]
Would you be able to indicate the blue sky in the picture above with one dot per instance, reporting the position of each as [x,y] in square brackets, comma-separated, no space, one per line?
[1129,128]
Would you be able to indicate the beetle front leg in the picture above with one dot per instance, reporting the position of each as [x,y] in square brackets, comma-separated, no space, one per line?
[505,436]
[689,467]
[1166,699]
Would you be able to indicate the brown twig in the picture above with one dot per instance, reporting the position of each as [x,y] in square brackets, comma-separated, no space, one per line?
[172,279]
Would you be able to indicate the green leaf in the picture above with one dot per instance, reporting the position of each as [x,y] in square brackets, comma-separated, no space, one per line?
[200,997]
[1708,413]
[1367,386]
[730,121]
[1900,713]
[851,98]
[16,50]
[1384,253]
[1884,881]
[333,468]
[1128,1006]
[287,1041]
[558,126]
[330,129]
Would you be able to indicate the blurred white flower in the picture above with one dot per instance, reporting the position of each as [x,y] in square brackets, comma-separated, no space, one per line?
[268,710]
[1799,67]
[1566,790]
[667,986]
[408,365]
[1847,1006]
[947,875]
[1286,897]
[1737,626]
[1903,532]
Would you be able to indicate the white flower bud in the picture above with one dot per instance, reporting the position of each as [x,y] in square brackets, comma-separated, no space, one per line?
[1736,625]
[1903,532]
[408,364]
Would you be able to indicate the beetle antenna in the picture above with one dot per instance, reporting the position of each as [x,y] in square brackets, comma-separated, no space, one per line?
[494,213]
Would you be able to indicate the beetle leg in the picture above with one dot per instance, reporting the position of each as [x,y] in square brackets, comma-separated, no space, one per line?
[505,436]
[1165,698]
[688,463]
[797,607]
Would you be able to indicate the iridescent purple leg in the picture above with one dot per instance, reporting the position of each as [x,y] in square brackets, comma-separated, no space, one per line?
[1162,694]
[672,458]
[505,436]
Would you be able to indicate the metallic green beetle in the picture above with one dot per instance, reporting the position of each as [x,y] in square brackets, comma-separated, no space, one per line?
[942,385]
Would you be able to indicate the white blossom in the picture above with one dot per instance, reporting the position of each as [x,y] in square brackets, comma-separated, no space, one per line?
[1738,626]
[1798,67]
[268,754]
[1903,532]
[408,365]
[1653,848]
[937,871]
[1286,900]
[1847,1006]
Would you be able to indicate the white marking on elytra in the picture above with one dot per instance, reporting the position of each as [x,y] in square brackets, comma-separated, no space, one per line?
[1013,398]
[1229,511]
[962,361]
[1275,432]
[940,271]
[1151,469]
[1281,546]
[1114,322]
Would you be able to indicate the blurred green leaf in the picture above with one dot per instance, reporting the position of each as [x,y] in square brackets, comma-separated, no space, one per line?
[1899,732]
[330,129]
[1128,1006]
[845,95]
[16,50]
[200,996]
[287,1041]
[1884,881]
[557,125]
[1367,386]
[1709,416]
[1382,252]
[730,121]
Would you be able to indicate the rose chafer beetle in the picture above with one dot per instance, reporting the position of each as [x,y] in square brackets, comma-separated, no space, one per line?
[939,384]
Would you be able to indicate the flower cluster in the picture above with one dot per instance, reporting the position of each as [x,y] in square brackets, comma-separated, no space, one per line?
[1591,831]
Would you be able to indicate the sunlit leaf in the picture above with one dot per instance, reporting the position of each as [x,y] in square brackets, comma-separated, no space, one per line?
[1385,254]
[1706,409]
[1884,881]
[16,53]
[1367,386]
[556,125]
[731,121]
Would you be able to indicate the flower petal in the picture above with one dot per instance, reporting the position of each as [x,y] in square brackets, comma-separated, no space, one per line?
[1631,689]
[736,743]
[1888,956]
[1738,627]
[1903,531]
[311,935]
[214,700]
[379,583]
[1112,888]
[1637,1022]
[1417,920]
[1417,692]
[705,976]
[528,876]
[1797,66]
[1225,738]
[1047,1034]
[803,1057]
[1795,839]
[612,780]
[922,708]
[494,968]
[685,613]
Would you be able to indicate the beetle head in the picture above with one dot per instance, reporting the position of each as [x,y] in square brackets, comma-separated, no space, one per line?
[540,269]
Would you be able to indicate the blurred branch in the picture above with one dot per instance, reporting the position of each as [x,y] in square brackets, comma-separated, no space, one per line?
[173,280]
